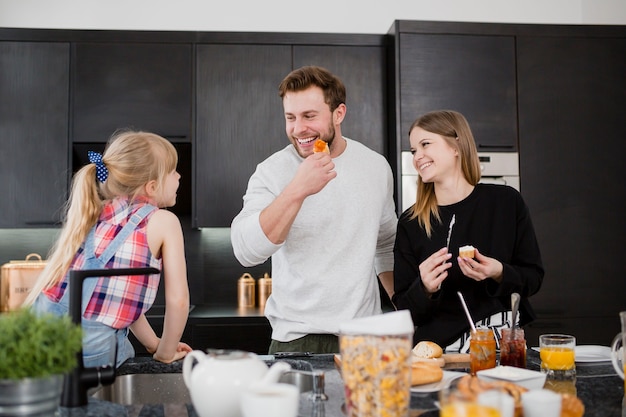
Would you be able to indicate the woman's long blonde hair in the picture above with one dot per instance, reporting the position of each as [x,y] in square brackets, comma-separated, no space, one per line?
[132,158]
[453,127]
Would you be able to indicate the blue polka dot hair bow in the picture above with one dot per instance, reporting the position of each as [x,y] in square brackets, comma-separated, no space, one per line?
[102,173]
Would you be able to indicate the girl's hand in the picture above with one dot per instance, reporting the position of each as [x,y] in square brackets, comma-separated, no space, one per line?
[481,267]
[181,351]
[434,270]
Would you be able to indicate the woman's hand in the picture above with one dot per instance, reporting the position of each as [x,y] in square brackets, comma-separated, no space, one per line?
[481,267]
[434,270]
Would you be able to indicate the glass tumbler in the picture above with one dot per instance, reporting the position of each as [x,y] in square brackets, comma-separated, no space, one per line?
[557,356]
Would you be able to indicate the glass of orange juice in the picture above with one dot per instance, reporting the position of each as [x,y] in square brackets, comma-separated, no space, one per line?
[557,355]
[455,403]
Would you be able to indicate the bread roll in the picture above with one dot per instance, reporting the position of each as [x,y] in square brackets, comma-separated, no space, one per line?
[466,251]
[425,373]
[426,349]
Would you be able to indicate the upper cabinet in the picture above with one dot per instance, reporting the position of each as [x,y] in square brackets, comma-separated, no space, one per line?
[34,103]
[441,68]
[239,123]
[135,85]
[239,114]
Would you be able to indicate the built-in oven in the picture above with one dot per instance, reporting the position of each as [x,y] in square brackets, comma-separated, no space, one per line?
[496,168]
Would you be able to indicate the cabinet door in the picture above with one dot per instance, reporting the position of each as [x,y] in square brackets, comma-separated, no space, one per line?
[131,85]
[362,70]
[572,101]
[34,85]
[474,75]
[254,335]
[239,123]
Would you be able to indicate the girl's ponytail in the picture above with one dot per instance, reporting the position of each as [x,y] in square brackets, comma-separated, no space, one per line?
[81,213]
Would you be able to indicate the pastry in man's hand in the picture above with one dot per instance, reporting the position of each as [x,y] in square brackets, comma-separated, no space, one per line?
[320,146]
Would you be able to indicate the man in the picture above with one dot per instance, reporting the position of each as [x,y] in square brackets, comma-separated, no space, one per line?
[327,220]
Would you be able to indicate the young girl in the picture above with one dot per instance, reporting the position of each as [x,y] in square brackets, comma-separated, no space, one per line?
[114,220]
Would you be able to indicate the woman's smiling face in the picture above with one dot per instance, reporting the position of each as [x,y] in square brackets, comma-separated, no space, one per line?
[433,158]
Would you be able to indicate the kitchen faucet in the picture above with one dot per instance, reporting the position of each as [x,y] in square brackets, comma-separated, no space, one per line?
[78,381]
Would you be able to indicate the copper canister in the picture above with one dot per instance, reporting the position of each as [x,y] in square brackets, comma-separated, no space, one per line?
[246,291]
[264,288]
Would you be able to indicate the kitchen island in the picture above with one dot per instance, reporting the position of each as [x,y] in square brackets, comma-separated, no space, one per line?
[597,385]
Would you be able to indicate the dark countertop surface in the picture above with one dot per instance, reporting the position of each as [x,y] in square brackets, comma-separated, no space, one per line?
[597,385]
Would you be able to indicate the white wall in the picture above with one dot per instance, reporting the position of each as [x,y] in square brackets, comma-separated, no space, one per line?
[338,16]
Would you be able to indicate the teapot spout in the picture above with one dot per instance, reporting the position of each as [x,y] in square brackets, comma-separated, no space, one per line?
[274,373]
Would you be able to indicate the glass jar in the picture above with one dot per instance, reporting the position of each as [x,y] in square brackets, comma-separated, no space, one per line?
[482,350]
[513,348]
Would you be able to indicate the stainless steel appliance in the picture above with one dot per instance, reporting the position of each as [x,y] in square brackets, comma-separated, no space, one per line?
[496,167]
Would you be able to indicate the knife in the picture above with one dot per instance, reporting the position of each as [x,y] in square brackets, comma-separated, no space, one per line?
[448,240]
[450,232]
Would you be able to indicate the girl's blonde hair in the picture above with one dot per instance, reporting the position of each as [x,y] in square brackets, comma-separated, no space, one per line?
[453,127]
[132,158]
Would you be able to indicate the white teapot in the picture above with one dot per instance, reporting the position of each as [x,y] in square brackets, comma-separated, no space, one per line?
[217,379]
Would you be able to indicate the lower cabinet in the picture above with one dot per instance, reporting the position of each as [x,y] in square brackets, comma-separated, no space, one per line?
[221,328]
[238,333]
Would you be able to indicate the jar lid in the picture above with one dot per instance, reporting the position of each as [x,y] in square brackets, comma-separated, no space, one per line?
[387,324]
[246,277]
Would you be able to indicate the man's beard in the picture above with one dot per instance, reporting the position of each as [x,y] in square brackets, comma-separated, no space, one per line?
[328,139]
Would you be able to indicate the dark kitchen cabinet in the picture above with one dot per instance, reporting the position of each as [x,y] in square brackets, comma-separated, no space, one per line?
[472,74]
[34,103]
[572,101]
[239,115]
[135,85]
[239,122]
[211,327]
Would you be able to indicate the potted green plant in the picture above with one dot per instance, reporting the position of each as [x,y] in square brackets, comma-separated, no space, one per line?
[35,353]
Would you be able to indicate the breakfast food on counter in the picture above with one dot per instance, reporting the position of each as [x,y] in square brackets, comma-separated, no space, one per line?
[428,350]
[466,251]
[425,373]
[470,385]
[376,374]
[320,146]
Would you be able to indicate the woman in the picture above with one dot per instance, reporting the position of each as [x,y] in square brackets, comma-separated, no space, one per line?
[452,206]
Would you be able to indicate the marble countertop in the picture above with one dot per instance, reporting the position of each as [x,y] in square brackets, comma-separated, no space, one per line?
[597,385]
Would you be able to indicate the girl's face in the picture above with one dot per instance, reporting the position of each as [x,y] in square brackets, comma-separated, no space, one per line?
[433,158]
[167,197]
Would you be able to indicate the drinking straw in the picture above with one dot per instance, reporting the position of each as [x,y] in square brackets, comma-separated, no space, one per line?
[467,313]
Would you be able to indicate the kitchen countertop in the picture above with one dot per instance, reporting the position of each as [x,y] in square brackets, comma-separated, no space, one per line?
[597,385]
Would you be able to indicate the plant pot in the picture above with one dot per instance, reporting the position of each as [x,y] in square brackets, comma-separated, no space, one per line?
[33,397]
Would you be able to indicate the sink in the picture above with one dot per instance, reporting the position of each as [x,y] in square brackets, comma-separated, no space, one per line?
[145,389]
[170,388]
[301,379]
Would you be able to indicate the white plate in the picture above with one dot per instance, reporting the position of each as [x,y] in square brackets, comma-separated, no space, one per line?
[589,353]
[448,377]
[520,376]
[592,353]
